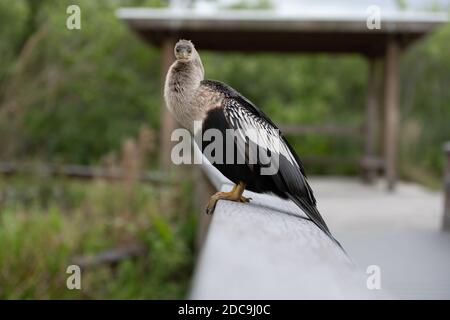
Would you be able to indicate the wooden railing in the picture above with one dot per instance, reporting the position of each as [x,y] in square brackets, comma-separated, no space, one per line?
[325,129]
[267,249]
[81,172]
[370,162]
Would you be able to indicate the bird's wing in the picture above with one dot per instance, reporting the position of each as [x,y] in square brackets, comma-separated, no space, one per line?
[255,128]
[244,116]
[252,125]
[255,111]
[233,95]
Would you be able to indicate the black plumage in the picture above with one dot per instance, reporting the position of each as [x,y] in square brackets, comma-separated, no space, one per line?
[289,182]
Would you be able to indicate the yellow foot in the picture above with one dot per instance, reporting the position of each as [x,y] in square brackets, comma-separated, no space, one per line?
[234,195]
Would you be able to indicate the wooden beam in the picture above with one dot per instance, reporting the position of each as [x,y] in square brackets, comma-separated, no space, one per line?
[371,121]
[168,123]
[372,163]
[330,161]
[82,172]
[446,218]
[110,257]
[325,129]
[381,114]
[391,104]
[256,31]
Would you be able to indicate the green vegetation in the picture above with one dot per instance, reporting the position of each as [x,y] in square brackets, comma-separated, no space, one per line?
[296,89]
[75,96]
[45,223]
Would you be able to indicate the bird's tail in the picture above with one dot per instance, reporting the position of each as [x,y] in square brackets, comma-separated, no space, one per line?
[314,215]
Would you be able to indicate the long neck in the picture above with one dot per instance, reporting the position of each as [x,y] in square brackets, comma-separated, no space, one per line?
[182,82]
[185,77]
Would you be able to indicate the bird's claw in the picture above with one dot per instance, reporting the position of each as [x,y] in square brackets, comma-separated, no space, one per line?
[209,210]
[244,199]
[211,206]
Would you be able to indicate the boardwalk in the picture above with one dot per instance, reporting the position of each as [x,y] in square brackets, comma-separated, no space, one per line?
[262,249]
[399,231]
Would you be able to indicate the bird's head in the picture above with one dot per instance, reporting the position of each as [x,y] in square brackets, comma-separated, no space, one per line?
[184,50]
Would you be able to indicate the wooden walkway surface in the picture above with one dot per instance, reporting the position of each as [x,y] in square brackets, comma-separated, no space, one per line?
[400,232]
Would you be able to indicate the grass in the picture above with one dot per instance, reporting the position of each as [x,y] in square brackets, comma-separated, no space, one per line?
[44,223]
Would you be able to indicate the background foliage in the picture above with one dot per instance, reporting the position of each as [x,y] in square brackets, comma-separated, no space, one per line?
[46,223]
[75,96]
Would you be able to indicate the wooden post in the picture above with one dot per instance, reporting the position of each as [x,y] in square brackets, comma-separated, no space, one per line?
[371,121]
[391,104]
[168,123]
[381,115]
[446,218]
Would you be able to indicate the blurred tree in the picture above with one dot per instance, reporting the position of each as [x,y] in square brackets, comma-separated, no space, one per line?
[80,92]
[74,95]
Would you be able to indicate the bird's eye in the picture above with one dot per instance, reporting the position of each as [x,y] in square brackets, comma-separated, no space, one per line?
[189,50]
[177,49]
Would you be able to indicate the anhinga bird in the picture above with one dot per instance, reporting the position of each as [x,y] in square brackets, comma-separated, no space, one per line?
[217,106]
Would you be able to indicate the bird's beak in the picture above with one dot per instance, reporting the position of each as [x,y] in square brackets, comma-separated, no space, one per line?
[183,54]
